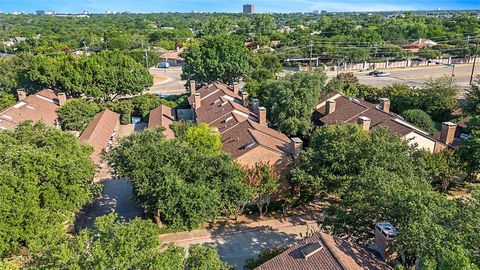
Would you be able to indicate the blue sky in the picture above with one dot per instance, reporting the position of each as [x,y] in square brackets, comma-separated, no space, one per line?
[230,5]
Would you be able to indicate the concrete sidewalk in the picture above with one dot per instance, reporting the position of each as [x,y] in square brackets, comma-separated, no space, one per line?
[270,224]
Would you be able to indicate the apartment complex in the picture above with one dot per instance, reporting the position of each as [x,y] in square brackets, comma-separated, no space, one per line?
[242,124]
[336,108]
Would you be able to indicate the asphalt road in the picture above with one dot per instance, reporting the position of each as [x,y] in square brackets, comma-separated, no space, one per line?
[172,85]
[417,76]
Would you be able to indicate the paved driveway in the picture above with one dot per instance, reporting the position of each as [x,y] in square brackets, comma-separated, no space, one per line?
[235,245]
[115,198]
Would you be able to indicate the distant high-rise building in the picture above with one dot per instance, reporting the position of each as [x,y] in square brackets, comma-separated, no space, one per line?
[40,12]
[248,9]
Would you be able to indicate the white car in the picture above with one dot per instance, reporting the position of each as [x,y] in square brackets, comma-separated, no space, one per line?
[382,74]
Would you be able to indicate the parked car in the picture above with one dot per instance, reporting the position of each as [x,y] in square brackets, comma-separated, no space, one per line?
[373,73]
[164,65]
[382,74]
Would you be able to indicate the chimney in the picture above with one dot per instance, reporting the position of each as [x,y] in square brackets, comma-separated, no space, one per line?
[448,132]
[198,101]
[62,99]
[330,106]
[236,88]
[262,116]
[364,122]
[297,146]
[21,94]
[244,98]
[385,105]
[193,87]
[384,238]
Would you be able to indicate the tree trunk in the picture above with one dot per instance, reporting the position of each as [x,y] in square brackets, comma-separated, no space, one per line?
[260,209]
[157,219]
[266,207]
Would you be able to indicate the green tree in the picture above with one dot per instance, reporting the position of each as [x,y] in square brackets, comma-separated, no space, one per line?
[102,76]
[472,104]
[263,180]
[115,245]
[290,101]
[438,97]
[470,154]
[420,119]
[203,138]
[190,185]
[202,257]
[6,99]
[429,53]
[77,113]
[219,25]
[45,177]
[223,58]
[444,168]
[263,24]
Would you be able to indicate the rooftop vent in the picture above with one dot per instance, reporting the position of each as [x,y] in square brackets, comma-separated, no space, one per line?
[311,249]
[249,145]
[228,119]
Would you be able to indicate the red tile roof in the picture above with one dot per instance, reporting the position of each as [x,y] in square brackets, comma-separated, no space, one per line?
[335,254]
[41,106]
[348,110]
[99,132]
[162,116]
[247,135]
[220,89]
[222,108]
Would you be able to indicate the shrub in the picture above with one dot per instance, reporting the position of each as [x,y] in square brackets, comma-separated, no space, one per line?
[420,119]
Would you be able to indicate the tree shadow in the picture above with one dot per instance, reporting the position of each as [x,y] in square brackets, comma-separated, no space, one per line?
[116,197]
[235,247]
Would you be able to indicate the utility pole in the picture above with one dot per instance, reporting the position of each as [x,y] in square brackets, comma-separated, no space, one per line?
[474,61]
[311,52]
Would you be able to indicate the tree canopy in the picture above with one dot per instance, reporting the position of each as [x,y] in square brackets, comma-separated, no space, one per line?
[290,101]
[77,113]
[222,57]
[373,177]
[45,177]
[180,181]
[102,76]
[126,245]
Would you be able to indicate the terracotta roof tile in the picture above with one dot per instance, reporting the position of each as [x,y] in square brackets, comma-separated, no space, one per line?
[41,106]
[335,254]
[99,132]
[162,116]
[221,108]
